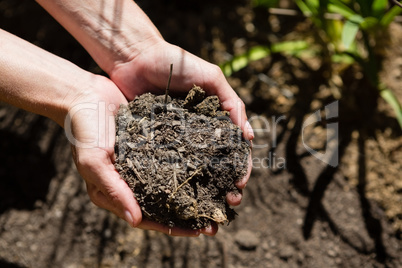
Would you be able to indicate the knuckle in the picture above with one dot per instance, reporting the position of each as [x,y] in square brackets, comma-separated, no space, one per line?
[242,105]
[83,161]
[217,70]
[113,196]
[216,73]
[96,195]
[93,194]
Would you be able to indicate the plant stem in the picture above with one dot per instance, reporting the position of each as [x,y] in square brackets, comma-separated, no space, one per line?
[397,3]
[168,84]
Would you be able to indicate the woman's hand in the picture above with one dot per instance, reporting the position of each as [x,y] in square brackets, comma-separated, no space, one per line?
[90,127]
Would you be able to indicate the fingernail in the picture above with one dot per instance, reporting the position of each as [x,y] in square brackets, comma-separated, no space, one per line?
[129,218]
[250,131]
[208,231]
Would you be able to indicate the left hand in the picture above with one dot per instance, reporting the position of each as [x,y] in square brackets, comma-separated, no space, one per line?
[90,127]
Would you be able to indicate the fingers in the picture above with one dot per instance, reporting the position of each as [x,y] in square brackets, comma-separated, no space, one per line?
[107,190]
[241,184]
[235,199]
[218,85]
[235,106]
[105,187]
[103,201]
[118,201]
[210,230]
[188,70]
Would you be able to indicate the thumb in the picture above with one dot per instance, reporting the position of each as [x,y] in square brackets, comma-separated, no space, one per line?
[117,197]
[230,101]
[106,189]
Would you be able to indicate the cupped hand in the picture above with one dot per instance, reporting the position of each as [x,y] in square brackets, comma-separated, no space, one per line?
[149,71]
[90,127]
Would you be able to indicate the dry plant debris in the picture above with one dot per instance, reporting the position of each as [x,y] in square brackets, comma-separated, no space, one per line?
[180,159]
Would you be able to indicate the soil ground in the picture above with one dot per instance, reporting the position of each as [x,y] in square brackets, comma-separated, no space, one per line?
[296,211]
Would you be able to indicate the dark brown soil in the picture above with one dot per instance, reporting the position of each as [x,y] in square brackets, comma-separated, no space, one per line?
[295,213]
[180,159]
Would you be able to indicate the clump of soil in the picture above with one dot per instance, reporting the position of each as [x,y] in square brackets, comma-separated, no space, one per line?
[180,159]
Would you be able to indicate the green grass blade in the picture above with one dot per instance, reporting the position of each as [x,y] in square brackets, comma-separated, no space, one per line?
[369,23]
[265,3]
[379,7]
[307,11]
[259,52]
[350,30]
[289,47]
[336,6]
[390,98]
[240,61]
[235,64]
[390,16]
[343,58]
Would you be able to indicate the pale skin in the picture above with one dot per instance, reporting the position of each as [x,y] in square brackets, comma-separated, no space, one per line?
[129,48]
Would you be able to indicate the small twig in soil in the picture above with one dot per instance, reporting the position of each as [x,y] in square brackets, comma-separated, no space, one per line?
[142,119]
[206,216]
[211,218]
[139,123]
[168,84]
[131,165]
[296,13]
[174,177]
[186,181]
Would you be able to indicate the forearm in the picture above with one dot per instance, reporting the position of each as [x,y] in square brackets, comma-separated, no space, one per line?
[37,81]
[112,31]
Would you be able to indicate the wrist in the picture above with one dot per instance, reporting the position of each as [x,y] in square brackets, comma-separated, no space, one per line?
[129,50]
[113,32]
[79,90]
[37,81]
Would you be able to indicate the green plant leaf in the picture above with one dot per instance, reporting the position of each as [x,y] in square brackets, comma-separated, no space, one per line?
[336,6]
[350,30]
[265,3]
[379,8]
[390,16]
[343,58]
[334,30]
[356,18]
[259,52]
[235,64]
[369,23]
[314,6]
[240,61]
[289,47]
[307,11]
[390,98]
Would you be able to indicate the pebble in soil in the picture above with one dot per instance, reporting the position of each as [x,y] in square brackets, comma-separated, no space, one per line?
[180,159]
